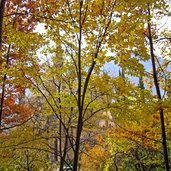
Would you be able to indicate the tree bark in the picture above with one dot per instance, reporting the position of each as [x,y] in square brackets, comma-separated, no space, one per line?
[79,102]
[2,8]
[3,87]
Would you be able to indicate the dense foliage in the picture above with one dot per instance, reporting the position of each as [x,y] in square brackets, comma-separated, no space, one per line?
[85,84]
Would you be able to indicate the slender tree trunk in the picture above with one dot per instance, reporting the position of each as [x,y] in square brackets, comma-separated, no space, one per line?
[62,149]
[3,87]
[79,103]
[2,8]
[2,99]
[56,149]
[64,153]
[77,145]
[60,140]
[156,82]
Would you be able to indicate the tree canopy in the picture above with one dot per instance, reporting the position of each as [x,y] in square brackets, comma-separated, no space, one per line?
[60,104]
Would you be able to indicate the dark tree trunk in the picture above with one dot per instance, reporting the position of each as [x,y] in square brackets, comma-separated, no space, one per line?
[3,88]
[2,8]
[156,83]
[64,154]
[56,149]
[79,103]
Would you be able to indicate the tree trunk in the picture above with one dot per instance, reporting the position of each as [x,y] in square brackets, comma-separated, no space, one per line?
[64,154]
[164,143]
[3,88]
[79,102]
[2,8]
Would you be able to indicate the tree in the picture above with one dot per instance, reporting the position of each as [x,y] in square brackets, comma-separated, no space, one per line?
[70,32]
[134,144]
[15,47]
[158,91]
[81,37]
[85,37]
[27,147]
[147,8]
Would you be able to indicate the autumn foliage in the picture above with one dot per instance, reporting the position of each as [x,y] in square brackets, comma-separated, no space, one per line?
[90,90]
